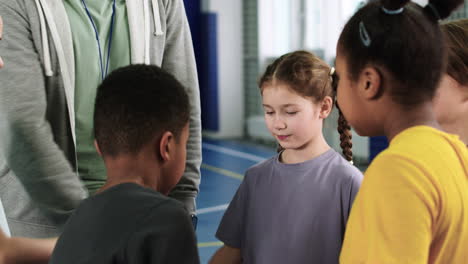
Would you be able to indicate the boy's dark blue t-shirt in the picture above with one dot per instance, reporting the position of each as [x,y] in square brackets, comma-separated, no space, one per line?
[127,224]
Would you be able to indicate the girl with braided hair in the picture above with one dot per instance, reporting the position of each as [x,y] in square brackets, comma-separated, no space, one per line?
[293,208]
[412,206]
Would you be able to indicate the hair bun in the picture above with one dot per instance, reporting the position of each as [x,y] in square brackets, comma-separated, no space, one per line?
[441,9]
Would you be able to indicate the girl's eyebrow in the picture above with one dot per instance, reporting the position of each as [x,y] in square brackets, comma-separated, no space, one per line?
[288,105]
[283,105]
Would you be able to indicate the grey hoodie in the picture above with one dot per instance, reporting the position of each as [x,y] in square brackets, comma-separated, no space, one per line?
[39,185]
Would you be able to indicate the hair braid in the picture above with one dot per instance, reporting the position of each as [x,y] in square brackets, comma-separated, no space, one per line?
[345,136]
[279,148]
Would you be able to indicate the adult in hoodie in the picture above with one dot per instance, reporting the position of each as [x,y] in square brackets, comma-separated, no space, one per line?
[18,249]
[47,97]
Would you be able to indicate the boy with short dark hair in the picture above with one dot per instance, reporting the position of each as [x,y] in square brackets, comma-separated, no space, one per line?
[141,129]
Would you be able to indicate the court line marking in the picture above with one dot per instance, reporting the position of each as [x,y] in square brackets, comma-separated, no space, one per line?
[212,209]
[210,244]
[223,172]
[232,152]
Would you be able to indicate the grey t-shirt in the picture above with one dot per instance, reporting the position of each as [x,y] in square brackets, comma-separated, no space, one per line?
[292,213]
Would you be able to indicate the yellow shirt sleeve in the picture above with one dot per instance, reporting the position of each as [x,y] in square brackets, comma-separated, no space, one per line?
[393,214]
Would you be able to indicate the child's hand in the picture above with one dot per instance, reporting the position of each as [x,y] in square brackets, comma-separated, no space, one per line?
[227,255]
[16,250]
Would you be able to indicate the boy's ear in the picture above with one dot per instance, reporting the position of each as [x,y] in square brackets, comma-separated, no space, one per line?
[370,83]
[326,107]
[96,146]
[166,146]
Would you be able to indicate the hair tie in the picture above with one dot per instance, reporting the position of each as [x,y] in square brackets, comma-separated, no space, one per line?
[434,11]
[364,35]
[332,71]
[392,12]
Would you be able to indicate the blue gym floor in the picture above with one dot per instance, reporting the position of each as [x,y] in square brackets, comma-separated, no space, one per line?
[223,167]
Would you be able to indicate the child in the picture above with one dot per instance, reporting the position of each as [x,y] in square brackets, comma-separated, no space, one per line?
[451,100]
[293,207]
[413,204]
[141,129]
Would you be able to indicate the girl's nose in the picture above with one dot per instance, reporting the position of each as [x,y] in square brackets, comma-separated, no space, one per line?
[279,123]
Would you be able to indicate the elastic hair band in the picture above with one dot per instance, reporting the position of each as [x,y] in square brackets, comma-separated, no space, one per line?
[434,10]
[334,81]
[364,35]
[392,12]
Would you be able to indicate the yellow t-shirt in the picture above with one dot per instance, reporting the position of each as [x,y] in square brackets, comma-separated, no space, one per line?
[413,203]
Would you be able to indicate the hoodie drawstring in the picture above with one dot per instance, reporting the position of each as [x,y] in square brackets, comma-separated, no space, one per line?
[45,41]
[157,25]
[147,31]
[157,19]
